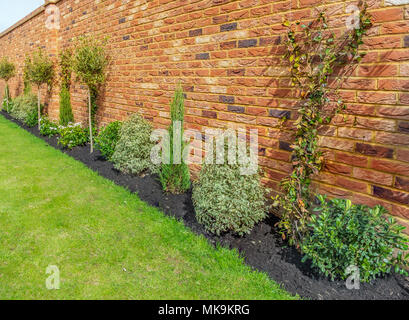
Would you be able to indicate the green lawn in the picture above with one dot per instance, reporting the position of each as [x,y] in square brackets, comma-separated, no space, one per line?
[106,242]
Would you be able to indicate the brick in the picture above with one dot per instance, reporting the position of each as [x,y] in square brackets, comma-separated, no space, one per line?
[195,33]
[375,124]
[226,99]
[378,71]
[373,176]
[270,41]
[375,151]
[351,184]
[360,109]
[336,143]
[402,183]
[355,133]
[392,195]
[390,166]
[392,138]
[236,72]
[403,127]
[387,15]
[228,27]
[406,41]
[402,155]
[236,109]
[283,145]
[395,27]
[228,45]
[277,113]
[220,19]
[393,85]
[209,114]
[377,97]
[337,168]
[247,43]
[394,112]
[351,159]
[203,56]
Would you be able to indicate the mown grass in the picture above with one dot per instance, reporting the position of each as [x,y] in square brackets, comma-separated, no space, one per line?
[106,242]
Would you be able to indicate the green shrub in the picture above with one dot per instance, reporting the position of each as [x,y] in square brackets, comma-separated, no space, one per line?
[225,200]
[7,69]
[108,138]
[345,235]
[24,109]
[175,178]
[48,128]
[132,152]
[72,136]
[66,115]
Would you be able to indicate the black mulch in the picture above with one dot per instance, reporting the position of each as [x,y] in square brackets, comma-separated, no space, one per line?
[263,249]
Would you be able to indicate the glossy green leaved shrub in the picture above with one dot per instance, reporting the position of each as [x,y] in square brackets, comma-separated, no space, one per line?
[73,135]
[132,152]
[345,235]
[24,109]
[108,138]
[225,200]
[48,128]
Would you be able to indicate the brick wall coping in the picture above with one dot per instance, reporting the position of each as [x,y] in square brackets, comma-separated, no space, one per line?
[28,17]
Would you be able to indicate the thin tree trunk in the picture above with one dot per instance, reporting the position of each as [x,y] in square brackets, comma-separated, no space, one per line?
[7,93]
[39,108]
[90,121]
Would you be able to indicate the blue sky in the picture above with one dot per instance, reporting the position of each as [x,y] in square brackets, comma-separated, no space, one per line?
[13,10]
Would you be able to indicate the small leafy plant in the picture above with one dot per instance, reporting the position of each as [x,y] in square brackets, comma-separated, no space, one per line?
[24,109]
[225,200]
[72,135]
[175,177]
[39,70]
[108,138]
[133,150]
[7,71]
[344,235]
[48,128]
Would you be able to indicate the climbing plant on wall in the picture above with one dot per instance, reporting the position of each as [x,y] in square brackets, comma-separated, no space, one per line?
[319,61]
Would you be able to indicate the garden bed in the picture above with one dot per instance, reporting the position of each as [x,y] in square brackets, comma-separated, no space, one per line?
[263,249]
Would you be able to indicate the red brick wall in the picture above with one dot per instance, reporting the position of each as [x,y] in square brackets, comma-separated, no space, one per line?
[227,55]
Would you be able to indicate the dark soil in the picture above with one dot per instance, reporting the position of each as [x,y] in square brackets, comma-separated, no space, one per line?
[263,249]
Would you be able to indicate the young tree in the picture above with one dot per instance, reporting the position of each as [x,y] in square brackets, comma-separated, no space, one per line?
[39,70]
[7,71]
[175,176]
[90,63]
